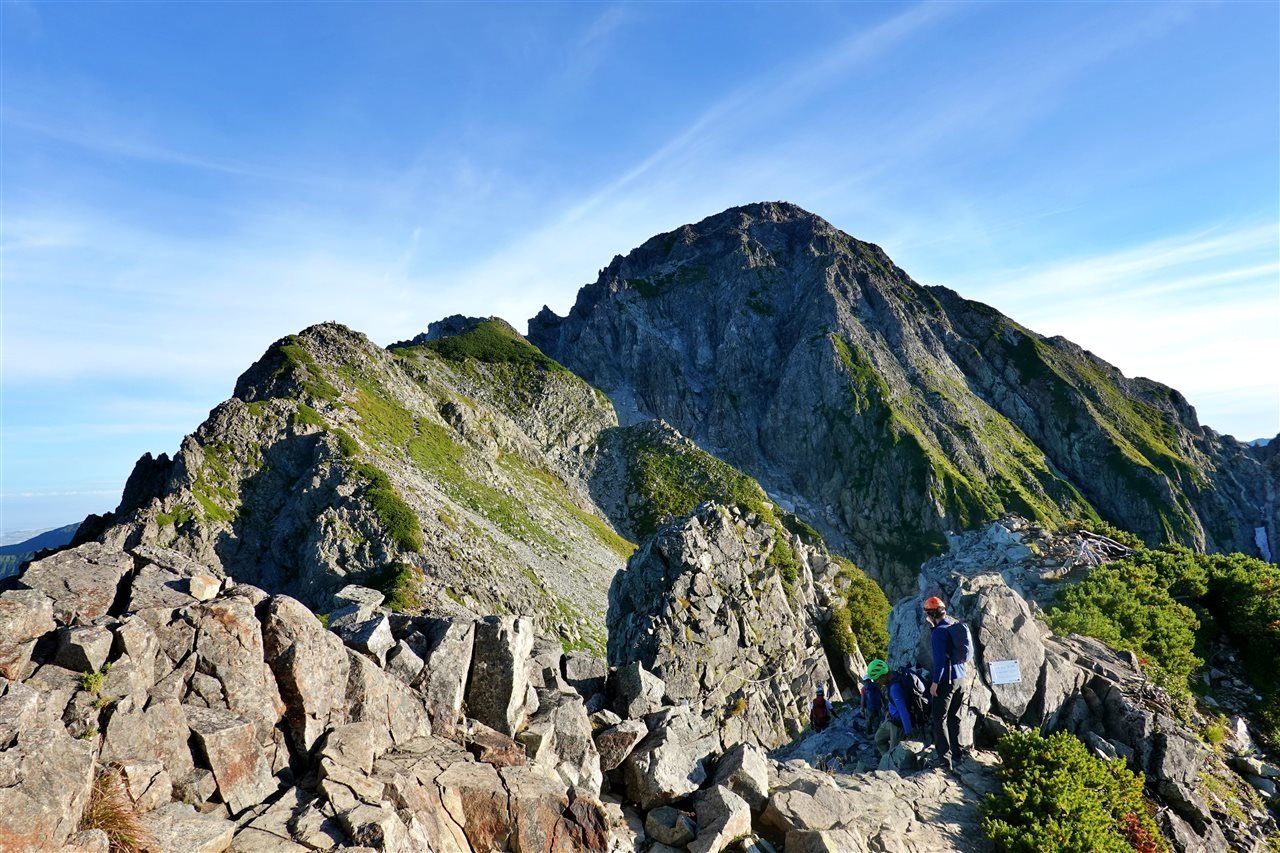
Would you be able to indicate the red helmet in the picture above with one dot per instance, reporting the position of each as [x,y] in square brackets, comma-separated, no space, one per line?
[934,603]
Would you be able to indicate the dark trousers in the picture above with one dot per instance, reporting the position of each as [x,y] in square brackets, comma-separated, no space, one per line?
[945,710]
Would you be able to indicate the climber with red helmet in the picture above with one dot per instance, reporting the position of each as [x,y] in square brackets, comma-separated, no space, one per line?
[952,647]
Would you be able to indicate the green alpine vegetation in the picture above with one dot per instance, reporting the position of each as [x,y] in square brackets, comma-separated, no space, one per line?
[1166,604]
[491,341]
[864,615]
[1056,797]
[669,478]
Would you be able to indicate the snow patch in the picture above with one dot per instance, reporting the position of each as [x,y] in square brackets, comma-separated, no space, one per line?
[1264,545]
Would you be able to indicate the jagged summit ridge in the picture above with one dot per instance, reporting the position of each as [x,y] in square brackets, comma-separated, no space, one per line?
[889,412]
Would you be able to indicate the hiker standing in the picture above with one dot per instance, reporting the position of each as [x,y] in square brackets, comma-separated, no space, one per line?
[820,710]
[897,718]
[952,647]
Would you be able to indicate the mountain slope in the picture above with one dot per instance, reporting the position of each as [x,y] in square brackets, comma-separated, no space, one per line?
[13,556]
[452,482]
[888,412]
[461,473]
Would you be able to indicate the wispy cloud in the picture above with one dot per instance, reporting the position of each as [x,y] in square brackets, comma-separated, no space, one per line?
[1197,311]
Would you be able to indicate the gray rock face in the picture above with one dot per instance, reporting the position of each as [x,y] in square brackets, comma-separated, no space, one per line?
[585,673]
[371,636]
[671,761]
[82,581]
[499,677]
[310,666]
[816,344]
[230,746]
[745,771]
[670,826]
[639,692]
[83,649]
[702,608]
[562,719]
[46,779]
[615,743]
[723,817]
[444,678]
[25,615]
[178,826]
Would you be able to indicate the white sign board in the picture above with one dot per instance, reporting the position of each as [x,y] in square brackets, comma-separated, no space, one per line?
[1005,672]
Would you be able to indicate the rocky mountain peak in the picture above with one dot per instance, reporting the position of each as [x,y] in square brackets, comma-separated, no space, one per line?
[886,412]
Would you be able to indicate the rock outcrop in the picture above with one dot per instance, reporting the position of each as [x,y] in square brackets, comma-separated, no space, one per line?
[887,412]
[703,608]
[242,723]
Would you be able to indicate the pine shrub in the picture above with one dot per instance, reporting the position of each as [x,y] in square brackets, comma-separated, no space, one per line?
[1056,797]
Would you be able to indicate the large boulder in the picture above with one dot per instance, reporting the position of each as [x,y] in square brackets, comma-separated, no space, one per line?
[723,817]
[498,690]
[310,667]
[443,680]
[25,616]
[671,762]
[744,770]
[229,647]
[45,778]
[1004,629]
[565,737]
[230,747]
[82,581]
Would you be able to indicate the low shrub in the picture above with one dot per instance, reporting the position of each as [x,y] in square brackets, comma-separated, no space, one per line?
[1127,604]
[1056,796]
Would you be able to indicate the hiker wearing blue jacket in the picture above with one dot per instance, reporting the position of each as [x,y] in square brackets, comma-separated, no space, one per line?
[952,647]
[897,718]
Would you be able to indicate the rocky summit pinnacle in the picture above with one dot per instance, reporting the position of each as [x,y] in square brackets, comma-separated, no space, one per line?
[887,412]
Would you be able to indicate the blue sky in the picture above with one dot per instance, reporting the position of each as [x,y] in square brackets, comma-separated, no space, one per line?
[185,183]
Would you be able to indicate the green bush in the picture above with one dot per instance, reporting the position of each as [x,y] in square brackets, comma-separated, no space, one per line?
[347,446]
[1127,604]
[864,616]
[1056,797]
[399,583]
[1167,603]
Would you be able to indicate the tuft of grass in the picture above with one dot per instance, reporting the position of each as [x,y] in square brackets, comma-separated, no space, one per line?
[111,811]
[347,446]
[180,516]
[863,617]
[310,377]
[400,584]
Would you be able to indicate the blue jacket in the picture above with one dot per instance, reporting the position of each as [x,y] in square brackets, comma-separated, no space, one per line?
[952,649]
[872,701]
[898,708]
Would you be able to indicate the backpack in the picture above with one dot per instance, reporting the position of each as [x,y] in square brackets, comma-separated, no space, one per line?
[917,696]
[960,641]
[818,714]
